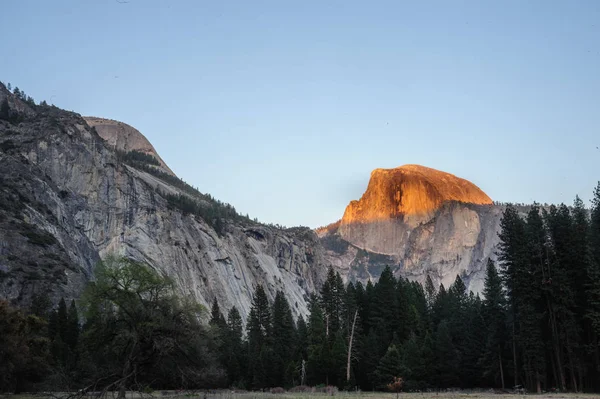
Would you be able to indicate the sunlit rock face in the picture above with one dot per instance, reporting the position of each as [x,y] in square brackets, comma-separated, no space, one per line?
[420,221]
[398,200]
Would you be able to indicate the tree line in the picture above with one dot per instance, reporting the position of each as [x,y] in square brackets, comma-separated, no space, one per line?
[536,328]
[548,315]
[135,334]
[536,325]
[358,336]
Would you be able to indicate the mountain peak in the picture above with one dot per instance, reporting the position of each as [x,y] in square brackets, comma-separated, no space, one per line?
[124,137]
[410,192]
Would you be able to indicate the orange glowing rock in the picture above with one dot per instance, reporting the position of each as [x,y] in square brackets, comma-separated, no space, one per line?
[411,193]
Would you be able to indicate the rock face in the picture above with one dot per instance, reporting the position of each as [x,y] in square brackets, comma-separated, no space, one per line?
[422,222]
[68,198]
[123,137]
[67,201]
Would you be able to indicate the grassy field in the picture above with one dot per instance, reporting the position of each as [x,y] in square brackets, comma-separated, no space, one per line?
[338,395]
[382,395]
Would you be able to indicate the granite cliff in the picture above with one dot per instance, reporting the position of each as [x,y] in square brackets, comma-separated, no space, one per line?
[419,220]
[75,189]
[68,199]
[122,137]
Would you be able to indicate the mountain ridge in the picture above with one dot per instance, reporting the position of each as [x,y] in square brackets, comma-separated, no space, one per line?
[69,199]
[129,206]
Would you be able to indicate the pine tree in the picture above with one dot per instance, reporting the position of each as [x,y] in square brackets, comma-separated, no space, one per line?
[458,320]
[63,320]
[531,279]
[216,317]
[384,309]
[332,301]
[301,352]
[353,332]
[494,315]
[282,339]
[473,343]
[513,266]
[419,311]
[339,352]
[318,346]
[446,358]
[415,372]
[592,312]
[258,331]
[235,361]
[406,319]
[368,300]
[430,297]
[427,363]
[441,307]
[565,276]
[389,366]
[72,336]
[59,330]
[369,360]
[593,290]
[595,225]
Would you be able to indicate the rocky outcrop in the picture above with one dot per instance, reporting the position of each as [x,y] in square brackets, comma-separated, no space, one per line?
[69,197]
[411,193]
[68,201]
[420,221]
[123,137]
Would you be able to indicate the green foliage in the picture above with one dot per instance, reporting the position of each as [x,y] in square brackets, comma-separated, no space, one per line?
[136,158]
[332,302]
[235,356]
[23,349]
[389,366]
[213,211]
[538,324]
[214,215]
[282,340]
[216,317]
[318,346]
[258,331]
[495,317]
[139,330]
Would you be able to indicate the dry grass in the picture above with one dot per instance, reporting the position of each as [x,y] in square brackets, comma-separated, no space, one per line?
[226,394]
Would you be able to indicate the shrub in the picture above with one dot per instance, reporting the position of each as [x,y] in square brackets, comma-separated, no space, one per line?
[277,390]
[135,156]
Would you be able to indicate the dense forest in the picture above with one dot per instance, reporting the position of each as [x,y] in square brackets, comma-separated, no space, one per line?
[537,325]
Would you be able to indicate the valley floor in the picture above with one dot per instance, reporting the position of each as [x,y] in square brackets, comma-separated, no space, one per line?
[225,394]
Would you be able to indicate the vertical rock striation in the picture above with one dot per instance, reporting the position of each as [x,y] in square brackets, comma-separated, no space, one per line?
[68,200]
[422,222]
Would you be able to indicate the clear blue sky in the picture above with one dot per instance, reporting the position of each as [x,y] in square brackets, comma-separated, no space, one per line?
[283,108]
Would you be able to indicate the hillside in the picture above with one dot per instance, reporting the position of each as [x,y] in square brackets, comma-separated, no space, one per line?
[69,198]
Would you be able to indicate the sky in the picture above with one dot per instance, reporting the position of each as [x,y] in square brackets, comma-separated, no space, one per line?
[283,108]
